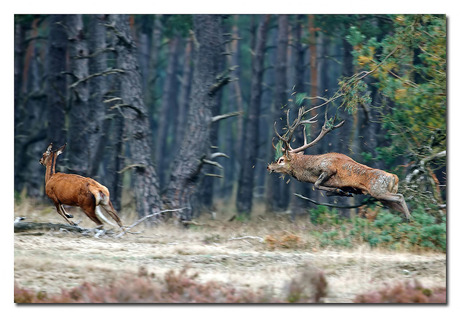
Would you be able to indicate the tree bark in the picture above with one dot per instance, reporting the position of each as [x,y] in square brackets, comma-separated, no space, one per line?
[279,199]
[97,90]
[19,36]
[195,144]
[251,127]
[300,87]
[56,83]
[136,118]
[184,94]
[79,115]
[168,105]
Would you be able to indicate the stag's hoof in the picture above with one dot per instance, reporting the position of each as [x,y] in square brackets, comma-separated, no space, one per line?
[69,215]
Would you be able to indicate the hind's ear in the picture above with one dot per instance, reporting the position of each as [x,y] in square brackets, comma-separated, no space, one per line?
[48,149]
[60,150]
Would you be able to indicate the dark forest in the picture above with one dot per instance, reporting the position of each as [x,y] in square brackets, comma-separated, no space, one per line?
[177,112]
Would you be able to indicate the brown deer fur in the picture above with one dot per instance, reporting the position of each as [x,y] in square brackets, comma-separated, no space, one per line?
[341,175]
[76,190]
[335,173]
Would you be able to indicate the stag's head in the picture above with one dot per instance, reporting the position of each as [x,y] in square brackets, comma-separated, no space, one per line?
[49,154]
[284,150]
[282,165]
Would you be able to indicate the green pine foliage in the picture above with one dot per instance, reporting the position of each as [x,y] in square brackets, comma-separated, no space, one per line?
[408,69]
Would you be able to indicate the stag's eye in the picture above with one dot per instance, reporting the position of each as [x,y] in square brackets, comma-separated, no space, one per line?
[281,160]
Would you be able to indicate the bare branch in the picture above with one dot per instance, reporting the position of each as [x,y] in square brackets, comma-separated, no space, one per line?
[225,116]
[132,166]
[147,217]
[213,175]
[260,239]
[212,163]
[103,73]
[127,105]
[219,154]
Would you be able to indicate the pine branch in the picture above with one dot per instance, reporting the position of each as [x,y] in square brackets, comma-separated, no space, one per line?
[103,73]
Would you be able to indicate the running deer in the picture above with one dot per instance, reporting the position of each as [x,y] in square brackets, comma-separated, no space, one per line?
[335,173]
[76,190]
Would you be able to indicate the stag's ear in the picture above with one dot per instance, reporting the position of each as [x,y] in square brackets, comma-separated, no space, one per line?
[60,150]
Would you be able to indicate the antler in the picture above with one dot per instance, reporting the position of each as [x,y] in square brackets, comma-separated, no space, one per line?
[287,137]
[325,129]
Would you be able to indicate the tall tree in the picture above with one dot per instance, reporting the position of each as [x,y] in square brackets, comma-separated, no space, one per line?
[167,110]
[279,199]
[97,50]
[56,90]
[79,160]
[136,117]
[195,143]
[251,126]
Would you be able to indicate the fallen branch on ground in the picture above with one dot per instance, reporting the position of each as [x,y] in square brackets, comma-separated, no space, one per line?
[29,226]
[145,218]
[261,240]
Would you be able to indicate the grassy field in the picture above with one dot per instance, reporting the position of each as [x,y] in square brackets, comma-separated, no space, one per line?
[267,251]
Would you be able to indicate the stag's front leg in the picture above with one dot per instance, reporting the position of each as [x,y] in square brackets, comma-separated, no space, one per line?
[334,191]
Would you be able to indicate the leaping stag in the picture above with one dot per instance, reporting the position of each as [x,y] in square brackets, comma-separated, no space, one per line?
[335,173]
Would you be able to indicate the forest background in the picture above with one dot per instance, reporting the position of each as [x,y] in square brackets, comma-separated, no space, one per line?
[177,111]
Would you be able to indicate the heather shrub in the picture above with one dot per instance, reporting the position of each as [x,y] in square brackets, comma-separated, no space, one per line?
[407,292]
[180,287]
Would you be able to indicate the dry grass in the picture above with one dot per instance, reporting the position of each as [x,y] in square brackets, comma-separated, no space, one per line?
[58,260]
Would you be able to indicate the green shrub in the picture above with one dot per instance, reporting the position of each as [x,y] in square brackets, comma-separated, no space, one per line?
[388,230]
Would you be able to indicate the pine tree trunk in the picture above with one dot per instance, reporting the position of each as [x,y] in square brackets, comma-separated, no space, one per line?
[136,119]
[19,36]
[251,127]
[184,94]
[97,90]
[300,87]
[168,104]
[279,201]
[56,83]
[195,144]
[79,116]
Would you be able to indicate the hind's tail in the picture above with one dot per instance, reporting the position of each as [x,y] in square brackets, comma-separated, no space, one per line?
[100,193]
[102,199]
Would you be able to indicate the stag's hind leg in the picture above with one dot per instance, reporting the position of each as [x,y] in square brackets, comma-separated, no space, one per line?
[396,202]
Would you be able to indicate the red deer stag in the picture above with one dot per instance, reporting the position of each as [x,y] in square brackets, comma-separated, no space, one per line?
[335,173]
[76,190]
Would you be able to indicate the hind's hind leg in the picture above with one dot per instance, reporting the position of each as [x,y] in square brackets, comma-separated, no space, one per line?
[111,211]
